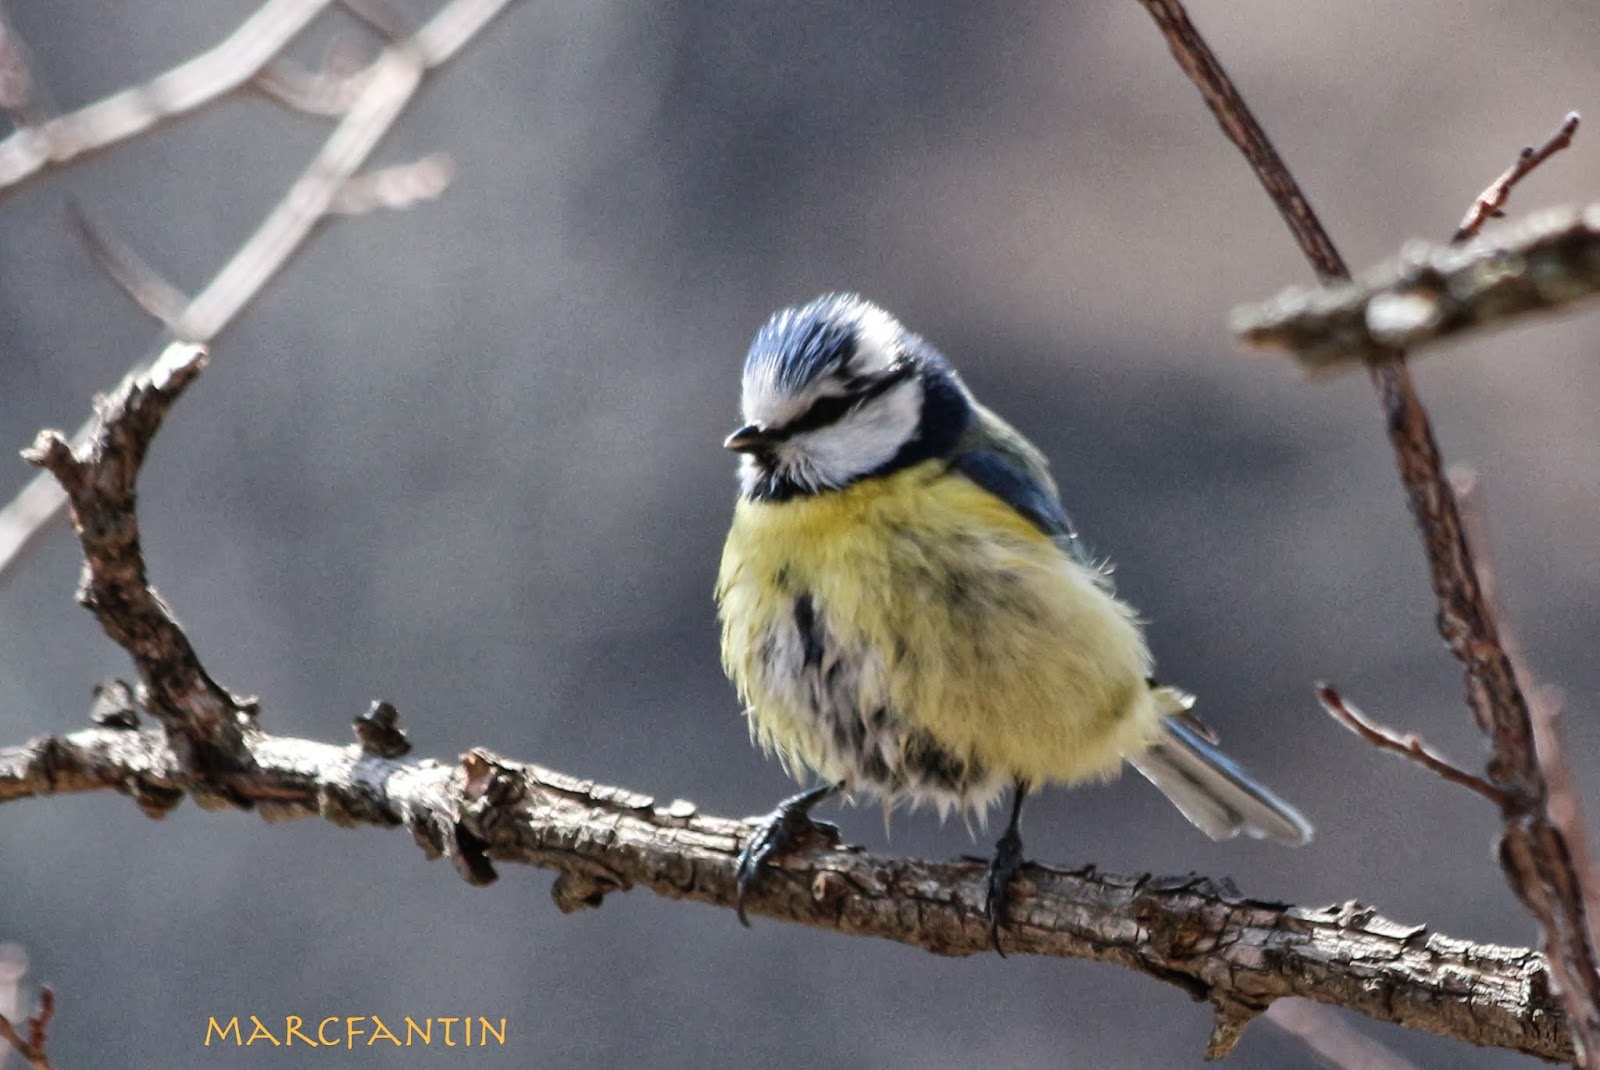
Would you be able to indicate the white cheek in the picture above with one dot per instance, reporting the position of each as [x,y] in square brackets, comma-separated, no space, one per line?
[860,442]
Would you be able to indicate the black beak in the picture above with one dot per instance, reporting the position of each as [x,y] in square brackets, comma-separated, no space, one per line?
[751,438]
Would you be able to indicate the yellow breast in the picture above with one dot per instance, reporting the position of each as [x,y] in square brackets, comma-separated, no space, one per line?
[956,616]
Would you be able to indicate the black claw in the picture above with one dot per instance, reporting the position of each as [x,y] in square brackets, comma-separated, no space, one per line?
[1003,867]
[782,830]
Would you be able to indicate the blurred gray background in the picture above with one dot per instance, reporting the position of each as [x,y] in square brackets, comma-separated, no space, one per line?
[466,459]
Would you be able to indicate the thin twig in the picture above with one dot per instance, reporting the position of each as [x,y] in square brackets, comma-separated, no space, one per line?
[1544,703]
[32,1046]
[1493,199]
[155,296]
[1409,745]
[1535,855]
[389,83]
[1239,123]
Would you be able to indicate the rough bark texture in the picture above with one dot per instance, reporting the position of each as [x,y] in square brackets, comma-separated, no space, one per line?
[1193,932]
[1535,855]
[1429,293]
[1201,935]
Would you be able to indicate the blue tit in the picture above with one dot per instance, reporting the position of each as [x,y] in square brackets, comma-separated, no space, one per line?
[908,613]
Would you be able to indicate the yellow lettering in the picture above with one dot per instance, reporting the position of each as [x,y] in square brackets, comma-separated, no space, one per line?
[261,1031]
[292,1025]
[351,1032]
[485,1030]
[381,1033]
[322,1036]
[447,1041]
[425,1030]
[223,1031]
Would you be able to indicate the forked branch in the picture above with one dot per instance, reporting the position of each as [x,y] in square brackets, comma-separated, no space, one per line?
[1237,953]
[330,184]
[1535,854]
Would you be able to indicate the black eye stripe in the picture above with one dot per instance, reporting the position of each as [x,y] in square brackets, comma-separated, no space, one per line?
[829,410]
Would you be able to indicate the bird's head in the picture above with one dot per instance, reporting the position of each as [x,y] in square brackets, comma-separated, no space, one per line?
[837,390]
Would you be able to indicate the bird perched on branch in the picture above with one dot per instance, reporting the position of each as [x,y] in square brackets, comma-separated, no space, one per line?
[907,611]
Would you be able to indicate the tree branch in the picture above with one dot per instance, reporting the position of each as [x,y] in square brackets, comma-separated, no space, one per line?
[1191,932]
[1433,292]
[1493,199]
[1407,746]
[99,478]
[388,85]
[1238,953]
[1535,855]
[203,80]
[31,1047]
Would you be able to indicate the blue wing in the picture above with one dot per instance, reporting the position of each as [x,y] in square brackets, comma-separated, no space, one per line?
[998,459]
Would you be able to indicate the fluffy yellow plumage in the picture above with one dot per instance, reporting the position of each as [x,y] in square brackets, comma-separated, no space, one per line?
[906,610]
[960,617]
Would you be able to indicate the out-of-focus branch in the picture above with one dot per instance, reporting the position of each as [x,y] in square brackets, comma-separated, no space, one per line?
[1535,854]
[319,92]
[395,188]
[1544,702]
[17,90]
[388,85]
[185,88]
[1337,1044]
[1430,293]
[158,298]
[31,1047]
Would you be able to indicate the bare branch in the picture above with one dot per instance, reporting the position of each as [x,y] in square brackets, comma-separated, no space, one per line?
[1492,200]
[16,80]
[1324,1031]
[382,18]
[395,188]
[1241,127]
[1187,931]
[1535,854]
[1430,292]
[1544,703]
[1239,954]
[185,88]
[1409,745]
[310,92]
[157,297]
[389,84]
[32,1046]
[100,477]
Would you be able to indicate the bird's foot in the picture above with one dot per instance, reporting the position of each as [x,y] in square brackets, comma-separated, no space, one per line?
[788,828]
[1004,866]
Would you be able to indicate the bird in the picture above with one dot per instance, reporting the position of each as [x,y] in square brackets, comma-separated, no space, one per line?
[908,614]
